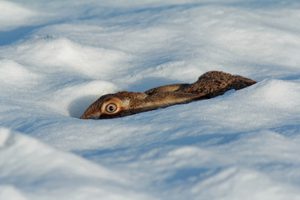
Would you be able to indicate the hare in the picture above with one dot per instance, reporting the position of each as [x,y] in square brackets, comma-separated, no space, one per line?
[209,85]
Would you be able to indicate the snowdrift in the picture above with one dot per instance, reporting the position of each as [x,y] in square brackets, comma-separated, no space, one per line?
[57,57]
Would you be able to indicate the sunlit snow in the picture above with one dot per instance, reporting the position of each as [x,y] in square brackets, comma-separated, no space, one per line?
[57,57]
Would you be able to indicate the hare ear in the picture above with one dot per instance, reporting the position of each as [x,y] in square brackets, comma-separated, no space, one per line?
[167,88]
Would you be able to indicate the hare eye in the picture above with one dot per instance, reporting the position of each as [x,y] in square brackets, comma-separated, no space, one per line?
[111,108]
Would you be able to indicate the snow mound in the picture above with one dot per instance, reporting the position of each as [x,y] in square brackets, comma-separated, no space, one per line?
[12,73]
[232,184]
[67,176]
[262,105]
[73,100]
[57,57]
[63,55]
[13,15]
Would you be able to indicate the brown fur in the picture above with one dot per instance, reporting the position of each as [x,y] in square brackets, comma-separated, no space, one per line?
[208,85]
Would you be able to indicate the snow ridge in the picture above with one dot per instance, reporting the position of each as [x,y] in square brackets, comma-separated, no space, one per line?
[56,57]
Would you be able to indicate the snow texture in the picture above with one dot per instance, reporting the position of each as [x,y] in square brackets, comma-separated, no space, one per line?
[57,57]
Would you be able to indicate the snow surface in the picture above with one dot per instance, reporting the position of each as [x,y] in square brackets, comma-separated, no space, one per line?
[56,57]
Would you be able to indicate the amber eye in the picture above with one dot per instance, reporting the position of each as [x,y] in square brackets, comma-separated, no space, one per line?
[111,108]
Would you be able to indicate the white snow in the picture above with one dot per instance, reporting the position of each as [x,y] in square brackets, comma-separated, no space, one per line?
[14,15]
[57,57]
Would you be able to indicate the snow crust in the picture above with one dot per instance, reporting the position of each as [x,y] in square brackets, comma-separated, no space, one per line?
[57,57]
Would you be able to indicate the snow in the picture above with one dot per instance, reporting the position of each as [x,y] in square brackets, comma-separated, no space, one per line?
[14,15]
[57,57]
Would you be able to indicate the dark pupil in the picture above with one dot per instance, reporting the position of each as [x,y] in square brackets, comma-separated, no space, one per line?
[111,108]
